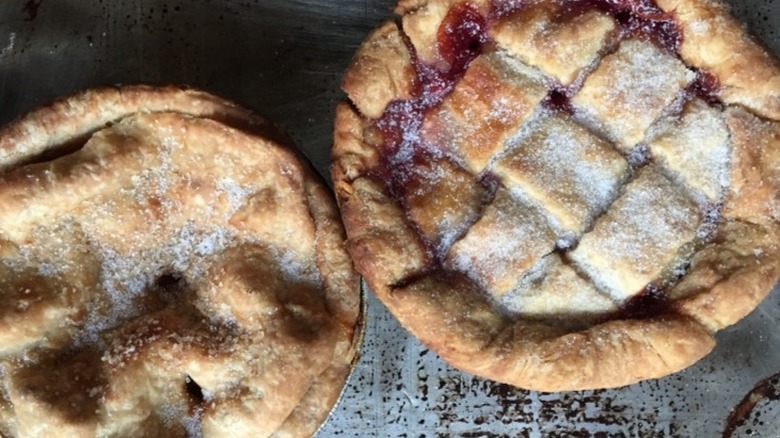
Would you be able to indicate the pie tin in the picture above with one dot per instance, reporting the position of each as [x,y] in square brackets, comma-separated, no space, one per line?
[284,58]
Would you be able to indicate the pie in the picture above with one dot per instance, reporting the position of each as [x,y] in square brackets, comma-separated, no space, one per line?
[170,266]
[562,195]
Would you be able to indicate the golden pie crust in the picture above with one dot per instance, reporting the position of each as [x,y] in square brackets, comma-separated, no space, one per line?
[582,203]
[171,267]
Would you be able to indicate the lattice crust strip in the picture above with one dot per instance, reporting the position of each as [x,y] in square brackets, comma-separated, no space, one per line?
[581,165]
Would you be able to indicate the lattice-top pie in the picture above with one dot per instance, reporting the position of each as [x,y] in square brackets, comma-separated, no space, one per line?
[562,194]
[168,268]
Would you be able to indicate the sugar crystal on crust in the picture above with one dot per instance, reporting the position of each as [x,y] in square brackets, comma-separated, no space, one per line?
[561,44]
[484,110]
[629,90]
[570,173]
[503,244]
[639,237]
[443,200]
[555,290]
[695,147]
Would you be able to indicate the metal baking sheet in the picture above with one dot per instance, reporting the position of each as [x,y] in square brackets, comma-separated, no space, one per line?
[284,59]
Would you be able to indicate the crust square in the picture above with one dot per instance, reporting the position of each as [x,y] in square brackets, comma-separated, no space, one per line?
[555,289]
[560,44]
[639,237]
[442,200]
[503,244]
[630,90]
[559,164]
[484,110]
[695,148]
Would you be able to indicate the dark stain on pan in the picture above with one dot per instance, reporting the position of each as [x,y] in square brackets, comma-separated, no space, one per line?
[510,405]
[768,390]
[31,9]
[479,435]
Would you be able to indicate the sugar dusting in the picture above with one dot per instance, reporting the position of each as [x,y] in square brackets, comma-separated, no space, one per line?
[498,250]
[552,290]
[237,194]
[711,218]
[652,214]
[129,272]
[695,148]
[126,277]
[50,249]
[649,81]
[156,179]
[640,235]
[443,200]
[565,169]
[192,423]
[130,264]
[293,269]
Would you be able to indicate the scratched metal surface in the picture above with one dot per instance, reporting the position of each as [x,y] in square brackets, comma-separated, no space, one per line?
[284,59]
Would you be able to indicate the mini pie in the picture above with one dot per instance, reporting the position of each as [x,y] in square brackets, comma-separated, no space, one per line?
[169,267]
[562,195]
